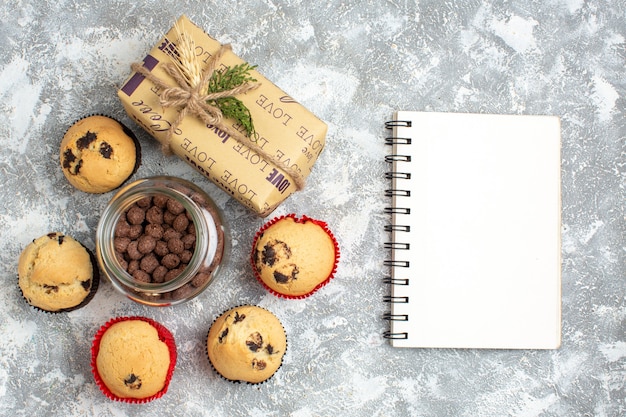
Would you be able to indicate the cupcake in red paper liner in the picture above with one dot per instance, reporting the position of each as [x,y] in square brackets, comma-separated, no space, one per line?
[57,273]
[246,344]
[133,359]
[294,257]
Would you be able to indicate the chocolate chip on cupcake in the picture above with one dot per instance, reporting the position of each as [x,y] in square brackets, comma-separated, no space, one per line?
[133,359]
[98,154]
[294,257]
[246,344]
[56,273]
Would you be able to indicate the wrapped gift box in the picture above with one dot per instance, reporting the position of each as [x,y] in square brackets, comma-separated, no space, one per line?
[260,170]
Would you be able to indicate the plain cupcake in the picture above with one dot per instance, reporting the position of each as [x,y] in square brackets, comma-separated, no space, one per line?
[133,359]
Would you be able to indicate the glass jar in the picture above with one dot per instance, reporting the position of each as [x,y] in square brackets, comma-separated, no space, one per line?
[117,230]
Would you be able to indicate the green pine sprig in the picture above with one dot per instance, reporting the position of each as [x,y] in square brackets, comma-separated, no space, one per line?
[232,107]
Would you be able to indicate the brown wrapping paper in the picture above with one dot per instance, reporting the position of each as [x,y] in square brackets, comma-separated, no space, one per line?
[287,131]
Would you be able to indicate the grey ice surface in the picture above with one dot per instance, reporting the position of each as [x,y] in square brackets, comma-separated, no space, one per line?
[353,63]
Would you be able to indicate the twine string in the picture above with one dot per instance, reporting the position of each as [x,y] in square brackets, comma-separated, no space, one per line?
[194,100]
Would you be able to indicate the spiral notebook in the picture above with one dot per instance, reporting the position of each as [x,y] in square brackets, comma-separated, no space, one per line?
[475,218]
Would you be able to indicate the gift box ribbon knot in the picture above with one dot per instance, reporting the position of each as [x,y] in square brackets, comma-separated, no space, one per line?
[192,98]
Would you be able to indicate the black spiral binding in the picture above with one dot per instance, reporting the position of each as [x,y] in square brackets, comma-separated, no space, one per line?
[390,335]
[397,210]
[396,246]
[396,317]
[397,123]
[394,227]
[398,158]
[395,281]
[400,175]
[396,140]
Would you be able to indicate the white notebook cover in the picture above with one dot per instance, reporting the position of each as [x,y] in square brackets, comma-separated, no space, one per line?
[484,243]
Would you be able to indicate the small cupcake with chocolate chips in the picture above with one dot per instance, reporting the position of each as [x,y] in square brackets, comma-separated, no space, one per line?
[133,359]
[98,154]
[246,344]
[56,273]
[294,257]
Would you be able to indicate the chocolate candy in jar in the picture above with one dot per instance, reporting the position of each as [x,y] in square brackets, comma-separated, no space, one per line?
[161,241]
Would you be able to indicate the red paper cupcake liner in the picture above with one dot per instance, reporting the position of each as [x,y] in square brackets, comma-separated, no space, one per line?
[302,219]
[164,335]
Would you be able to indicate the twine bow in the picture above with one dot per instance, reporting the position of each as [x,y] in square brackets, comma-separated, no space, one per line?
[192,98]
